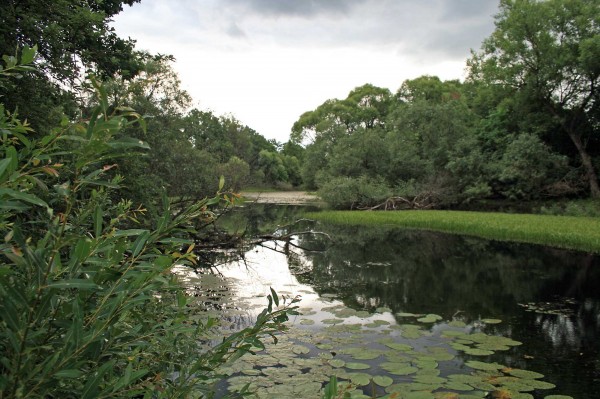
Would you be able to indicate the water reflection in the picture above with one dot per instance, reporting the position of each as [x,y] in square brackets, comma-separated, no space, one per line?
[548,298]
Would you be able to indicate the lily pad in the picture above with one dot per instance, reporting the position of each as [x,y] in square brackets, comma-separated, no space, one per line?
[366,354]
[446,395]
[430,379]
[307,322]
[526,374]
[491,321]
[537,384]
[478,352]
[440,354]
[399,347]
[458,386]
[483,366]
[337,363]
[359,378]
[357,366]
[332,321]
[493,347]
[520,395]
[300,350]
[453,334]
[406,370]
[430,318]
[345,312]
[383,381]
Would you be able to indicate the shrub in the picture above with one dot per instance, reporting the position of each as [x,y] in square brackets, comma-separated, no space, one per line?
[87,308]
[351,193]
[588,207]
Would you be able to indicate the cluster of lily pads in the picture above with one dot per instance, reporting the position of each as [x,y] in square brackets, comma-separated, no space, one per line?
[423,358]
[561,306]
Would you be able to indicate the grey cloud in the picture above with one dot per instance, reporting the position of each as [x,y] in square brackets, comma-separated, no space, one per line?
[235,31]
[427,28]
[462,9]
[302,8]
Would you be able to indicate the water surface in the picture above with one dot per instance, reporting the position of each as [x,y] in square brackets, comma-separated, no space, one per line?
[547,299]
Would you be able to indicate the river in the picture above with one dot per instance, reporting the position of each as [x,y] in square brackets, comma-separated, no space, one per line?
[415,314]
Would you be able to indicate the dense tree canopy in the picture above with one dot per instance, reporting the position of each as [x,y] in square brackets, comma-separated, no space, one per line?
[71,35]
[547,54]
[524,126]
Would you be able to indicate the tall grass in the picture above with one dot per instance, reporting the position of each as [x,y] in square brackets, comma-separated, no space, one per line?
[571,232]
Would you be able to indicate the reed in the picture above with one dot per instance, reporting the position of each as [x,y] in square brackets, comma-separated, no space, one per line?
[570,232]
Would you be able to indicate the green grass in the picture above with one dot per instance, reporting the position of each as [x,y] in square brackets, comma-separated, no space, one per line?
[571,232]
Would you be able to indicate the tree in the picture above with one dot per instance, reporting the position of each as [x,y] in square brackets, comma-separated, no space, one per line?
[271,163]
[236,173]
[72,37]
[366,106]
[429,89]
[547,53]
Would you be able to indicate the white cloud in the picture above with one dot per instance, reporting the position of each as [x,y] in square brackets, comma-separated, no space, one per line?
[268,61]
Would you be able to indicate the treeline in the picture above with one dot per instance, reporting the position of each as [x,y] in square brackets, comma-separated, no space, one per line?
[189,148]
[523,126]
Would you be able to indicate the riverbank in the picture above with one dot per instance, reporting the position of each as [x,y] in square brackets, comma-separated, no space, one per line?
[281,197]
[569,232]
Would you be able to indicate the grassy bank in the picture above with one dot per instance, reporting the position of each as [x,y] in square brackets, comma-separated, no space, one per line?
[581,233]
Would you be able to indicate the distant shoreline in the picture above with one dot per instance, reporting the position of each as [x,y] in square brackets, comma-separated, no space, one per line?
[282,197]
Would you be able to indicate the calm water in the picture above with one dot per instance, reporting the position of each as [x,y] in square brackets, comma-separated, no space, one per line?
[548,299]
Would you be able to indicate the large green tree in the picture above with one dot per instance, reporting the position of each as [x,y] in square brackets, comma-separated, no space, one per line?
[546,55]
[72,37]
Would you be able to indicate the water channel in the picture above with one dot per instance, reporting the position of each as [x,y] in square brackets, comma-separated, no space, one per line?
[426,313]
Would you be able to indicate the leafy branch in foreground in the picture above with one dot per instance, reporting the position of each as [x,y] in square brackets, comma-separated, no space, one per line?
[89,307]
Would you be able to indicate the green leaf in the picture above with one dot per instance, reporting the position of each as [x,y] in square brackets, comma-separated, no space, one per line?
[139,243]
[213,201]
[128,142]
[129,232]
[18,195]
[81,251]
[91,387]
[28,54]
[98,221]
[181,299]
[4,165]
[68,373]
[80,284]
[275,297]
[221,182]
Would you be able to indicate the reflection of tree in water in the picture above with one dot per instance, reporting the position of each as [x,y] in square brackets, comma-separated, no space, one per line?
[412,271]
[569,310]
[416,272]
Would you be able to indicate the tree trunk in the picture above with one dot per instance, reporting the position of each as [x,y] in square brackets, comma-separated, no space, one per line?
[586,161]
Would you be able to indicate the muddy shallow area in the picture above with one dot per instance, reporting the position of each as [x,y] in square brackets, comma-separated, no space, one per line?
[282,197]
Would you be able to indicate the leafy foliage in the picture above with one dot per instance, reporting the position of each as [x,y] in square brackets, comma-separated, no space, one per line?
[523,127]
[89,307]
[540,54]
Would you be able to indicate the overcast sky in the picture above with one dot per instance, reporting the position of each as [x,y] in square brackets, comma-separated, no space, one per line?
[268,61]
